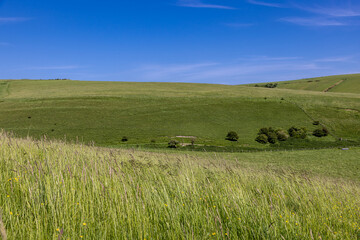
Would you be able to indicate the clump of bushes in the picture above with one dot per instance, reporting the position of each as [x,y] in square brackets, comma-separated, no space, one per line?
[271,85]
[173,144]
[321,132]
[232,136]
[296,132]
[270,135]
[282,135]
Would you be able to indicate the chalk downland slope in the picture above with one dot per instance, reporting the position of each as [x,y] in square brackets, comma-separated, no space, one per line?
[339,83]
[104,112]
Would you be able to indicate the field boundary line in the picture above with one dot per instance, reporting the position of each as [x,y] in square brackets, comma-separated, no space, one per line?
[336,84]
[312,119]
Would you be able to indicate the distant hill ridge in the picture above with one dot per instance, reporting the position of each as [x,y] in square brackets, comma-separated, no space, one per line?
[349,83]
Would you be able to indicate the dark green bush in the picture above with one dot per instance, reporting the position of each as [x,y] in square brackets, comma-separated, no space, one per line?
[265,131]
[296,132]
[262,138]
[173,144]
[282,135]
[321,132]
[272,137]
[124,139]
[271,85]
[232,136]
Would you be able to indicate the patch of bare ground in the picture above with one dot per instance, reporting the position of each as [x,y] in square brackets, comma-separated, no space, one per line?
[351,110]
[186,137]
[331,87]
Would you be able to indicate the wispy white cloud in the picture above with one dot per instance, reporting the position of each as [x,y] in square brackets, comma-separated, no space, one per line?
[268,58]
[267,4]
[339,10]
[156,71]
[244,69]
[224,72]
[199,4]
[13,19]
[335,59]
[314,21]
[68,67]
[325,12]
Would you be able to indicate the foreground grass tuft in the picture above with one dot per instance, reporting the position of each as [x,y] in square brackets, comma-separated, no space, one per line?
[52,190]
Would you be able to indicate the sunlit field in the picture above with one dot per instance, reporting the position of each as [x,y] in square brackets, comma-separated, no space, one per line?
[54,190]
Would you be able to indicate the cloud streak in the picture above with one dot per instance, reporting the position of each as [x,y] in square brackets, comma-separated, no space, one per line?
[4,20]
[199,4]
[267,4]
[69,67]
[245,68]
[325,13]
[334,59]
[316,21]
[337,11]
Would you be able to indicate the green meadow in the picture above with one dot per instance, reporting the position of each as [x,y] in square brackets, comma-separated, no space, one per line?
[65,172]
[54,190]
[104,112]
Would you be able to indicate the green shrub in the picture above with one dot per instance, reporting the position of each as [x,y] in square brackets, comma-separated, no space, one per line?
[262,138]
[173,144]
[232,136]
[282,135]
[321,132]
[272,137]
[268,135]
[124,139]
[271,85]
[265,131]
[296,132]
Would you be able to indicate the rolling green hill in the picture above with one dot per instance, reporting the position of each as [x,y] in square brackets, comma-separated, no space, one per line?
[339,83]
[104,112]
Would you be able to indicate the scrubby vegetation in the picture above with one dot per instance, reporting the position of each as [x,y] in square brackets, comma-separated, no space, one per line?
[298,132]
[321,132]
[173,144]
[271,85]
[232,136]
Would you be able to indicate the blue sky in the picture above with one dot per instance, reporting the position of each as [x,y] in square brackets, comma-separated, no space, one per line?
[206,41]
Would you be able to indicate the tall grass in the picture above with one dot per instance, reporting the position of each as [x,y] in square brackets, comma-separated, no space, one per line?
[53,190]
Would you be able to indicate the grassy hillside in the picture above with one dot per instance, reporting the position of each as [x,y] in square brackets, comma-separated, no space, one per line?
[52,190]
[104,112]
[339,83]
